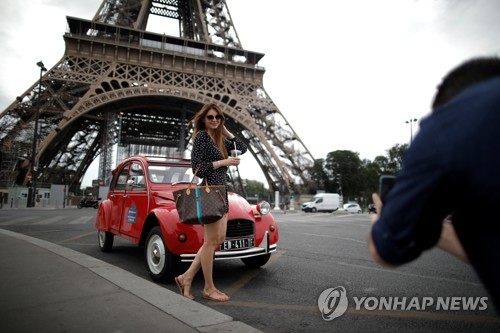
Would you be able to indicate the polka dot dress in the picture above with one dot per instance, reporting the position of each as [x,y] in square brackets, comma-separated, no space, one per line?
[205,152]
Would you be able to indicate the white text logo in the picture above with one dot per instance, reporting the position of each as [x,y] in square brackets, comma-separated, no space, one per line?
[332,303]
[421,304]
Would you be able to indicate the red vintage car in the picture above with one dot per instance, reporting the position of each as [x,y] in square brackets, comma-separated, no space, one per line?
[140,207]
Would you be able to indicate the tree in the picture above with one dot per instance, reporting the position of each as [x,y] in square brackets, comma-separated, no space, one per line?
[343,172]
[319,176]
[391,164]
[395,160]
[256,189]
[381,164]
[344,169]
[370,175]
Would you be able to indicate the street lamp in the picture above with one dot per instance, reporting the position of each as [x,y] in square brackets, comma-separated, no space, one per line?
[32,189]
[411,121]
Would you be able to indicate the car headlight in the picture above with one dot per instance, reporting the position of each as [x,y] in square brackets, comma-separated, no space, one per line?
[263,207]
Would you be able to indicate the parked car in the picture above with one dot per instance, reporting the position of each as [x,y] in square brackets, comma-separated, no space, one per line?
[352,208]
[140,208]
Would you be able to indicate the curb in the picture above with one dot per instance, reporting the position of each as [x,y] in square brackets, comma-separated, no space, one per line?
[195,315]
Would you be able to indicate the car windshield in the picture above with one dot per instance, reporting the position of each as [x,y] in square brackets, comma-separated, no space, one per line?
[166,174]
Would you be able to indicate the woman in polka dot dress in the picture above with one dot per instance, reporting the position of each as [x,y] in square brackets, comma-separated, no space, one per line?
[212,142]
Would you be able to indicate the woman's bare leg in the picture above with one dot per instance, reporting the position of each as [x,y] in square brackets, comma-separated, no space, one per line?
[214,235]
[188,276]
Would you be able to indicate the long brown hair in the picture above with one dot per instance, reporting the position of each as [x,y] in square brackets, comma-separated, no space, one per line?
[199,125]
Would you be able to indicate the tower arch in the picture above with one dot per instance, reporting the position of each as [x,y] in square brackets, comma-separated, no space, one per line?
[114,73]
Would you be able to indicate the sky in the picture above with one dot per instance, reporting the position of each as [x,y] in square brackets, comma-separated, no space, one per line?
[346,75]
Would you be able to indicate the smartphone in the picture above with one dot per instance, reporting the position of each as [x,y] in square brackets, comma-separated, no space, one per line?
[385,185]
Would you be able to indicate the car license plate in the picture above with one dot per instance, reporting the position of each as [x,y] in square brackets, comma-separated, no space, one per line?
[237,244]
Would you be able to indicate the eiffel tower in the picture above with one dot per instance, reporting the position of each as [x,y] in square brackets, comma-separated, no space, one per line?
[120,85]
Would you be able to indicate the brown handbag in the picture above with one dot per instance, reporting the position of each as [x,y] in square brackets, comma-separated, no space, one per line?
[201,204]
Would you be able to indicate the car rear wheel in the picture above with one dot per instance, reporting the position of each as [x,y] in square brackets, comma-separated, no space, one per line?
[161,263]
[257,261]
[105,240]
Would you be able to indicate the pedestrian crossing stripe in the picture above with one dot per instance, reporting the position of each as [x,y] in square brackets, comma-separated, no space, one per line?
[61,219]
[82,219]
[50,220]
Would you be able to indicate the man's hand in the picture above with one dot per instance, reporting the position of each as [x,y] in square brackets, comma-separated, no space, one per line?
[449,242]
[371,244]
[378,206]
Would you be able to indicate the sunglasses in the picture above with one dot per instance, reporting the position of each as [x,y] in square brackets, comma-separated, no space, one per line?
[212,117]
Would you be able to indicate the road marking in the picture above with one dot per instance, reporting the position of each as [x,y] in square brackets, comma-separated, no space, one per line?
[82,219]
[20,220]
[322,218]
[50,220]
[78,237]
[392,271]
[352,215]
[328,236]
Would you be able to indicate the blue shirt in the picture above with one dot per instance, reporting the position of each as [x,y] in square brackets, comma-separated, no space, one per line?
[452,166]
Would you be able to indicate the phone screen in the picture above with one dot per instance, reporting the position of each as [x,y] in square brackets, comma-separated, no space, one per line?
[385,185]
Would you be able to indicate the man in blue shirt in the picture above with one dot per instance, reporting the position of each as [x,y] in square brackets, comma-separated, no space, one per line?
[452,167]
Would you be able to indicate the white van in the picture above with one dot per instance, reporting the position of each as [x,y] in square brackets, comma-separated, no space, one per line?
[322,202]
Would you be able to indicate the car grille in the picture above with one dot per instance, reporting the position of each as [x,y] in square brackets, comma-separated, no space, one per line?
[239,228]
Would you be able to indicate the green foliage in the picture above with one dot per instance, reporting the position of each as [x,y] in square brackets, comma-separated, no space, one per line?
[318,176]
[344,172]
[396,157]
[256,189]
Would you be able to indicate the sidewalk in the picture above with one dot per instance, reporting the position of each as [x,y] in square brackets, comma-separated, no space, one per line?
[45,287]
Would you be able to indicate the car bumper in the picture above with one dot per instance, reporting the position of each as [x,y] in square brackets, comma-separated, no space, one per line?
[263,248]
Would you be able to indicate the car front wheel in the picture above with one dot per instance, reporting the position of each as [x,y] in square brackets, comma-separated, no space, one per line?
[257,261]
[105,240]
[161,263]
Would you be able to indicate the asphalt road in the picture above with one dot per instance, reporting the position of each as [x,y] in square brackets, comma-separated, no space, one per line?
[316,252]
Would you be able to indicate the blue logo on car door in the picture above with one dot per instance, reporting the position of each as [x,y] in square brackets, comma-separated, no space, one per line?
[132,214]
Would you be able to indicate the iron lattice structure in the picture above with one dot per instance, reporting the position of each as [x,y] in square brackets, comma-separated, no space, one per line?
[120,84]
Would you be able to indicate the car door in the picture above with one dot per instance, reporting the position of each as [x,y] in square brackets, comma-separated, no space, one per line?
[135,201]
[319,204]
[117,195]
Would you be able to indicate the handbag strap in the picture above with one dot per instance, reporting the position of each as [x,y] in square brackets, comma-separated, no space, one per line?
[194,176]
[192,180]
